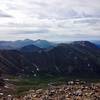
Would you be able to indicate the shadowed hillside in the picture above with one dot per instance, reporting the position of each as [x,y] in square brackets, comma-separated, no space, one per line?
[77,58]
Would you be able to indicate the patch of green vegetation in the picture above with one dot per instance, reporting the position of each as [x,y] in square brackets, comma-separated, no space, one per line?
[27,83]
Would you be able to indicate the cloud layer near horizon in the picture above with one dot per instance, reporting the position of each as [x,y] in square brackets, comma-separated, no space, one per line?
[49,19]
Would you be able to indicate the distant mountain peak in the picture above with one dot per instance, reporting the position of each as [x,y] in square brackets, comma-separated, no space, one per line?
[43,43]
[84,43]
[28,40]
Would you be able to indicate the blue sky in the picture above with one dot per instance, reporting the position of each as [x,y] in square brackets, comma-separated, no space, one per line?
[49,19]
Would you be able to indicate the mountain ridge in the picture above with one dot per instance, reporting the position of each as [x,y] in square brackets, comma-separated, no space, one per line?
[11,45]
[63,59]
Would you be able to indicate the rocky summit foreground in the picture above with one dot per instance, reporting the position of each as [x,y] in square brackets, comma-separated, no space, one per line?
[72,90]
